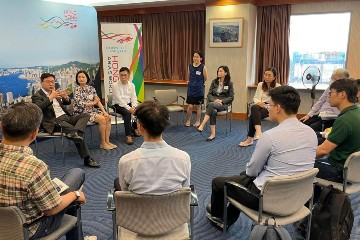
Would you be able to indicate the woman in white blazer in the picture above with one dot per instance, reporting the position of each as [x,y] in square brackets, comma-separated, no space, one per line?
[259,110]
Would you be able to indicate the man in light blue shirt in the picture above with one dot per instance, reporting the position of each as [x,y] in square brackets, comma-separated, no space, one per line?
[287,149]
[155,168]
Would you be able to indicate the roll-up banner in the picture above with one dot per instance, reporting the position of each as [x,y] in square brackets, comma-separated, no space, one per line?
[122,47]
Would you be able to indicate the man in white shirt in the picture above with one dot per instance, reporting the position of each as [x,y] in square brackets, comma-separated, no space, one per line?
[313,119]
[274,155]
[125,103]
[155,168]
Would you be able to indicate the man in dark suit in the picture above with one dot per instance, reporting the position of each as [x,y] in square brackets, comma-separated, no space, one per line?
[52,103]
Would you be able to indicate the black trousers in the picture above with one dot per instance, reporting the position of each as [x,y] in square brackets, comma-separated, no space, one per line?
[315,122]
[212,110]
[257,113]
[327,171]
[75,123]
[217,196]
[127,119]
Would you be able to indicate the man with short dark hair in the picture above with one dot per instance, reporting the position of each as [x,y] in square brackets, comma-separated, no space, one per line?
[25,180]
[274,155]
[155,168]
[52,103]
[125,103]
[344,138]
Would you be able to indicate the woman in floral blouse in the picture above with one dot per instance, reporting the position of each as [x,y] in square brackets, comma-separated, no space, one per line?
[85,100]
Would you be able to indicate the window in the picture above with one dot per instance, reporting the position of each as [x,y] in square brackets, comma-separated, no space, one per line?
[318,40]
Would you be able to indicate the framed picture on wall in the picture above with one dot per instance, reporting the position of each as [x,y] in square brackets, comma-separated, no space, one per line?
[226,32]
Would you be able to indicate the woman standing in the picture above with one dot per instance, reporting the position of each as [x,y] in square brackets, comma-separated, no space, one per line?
[221,94]
[195,93]
[258,110]
[85,99]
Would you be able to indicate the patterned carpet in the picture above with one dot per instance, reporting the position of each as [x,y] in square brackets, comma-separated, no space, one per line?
[220,157]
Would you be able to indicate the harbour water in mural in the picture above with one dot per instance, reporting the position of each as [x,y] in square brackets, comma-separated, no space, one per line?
[38,37]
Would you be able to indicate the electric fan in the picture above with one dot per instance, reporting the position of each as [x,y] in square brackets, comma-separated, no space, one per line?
[310,79]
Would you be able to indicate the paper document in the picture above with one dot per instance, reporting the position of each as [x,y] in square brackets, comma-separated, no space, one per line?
[60,185]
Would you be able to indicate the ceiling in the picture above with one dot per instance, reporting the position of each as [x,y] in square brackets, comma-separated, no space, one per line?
[104,4]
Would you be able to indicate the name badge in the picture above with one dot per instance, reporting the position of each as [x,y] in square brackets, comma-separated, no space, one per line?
[226,87]
[198,73]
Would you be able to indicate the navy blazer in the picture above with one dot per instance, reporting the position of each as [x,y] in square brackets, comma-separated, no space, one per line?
[48,122]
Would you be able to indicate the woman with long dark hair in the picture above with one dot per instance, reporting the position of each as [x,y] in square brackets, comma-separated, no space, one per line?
[259,110]
[221,94]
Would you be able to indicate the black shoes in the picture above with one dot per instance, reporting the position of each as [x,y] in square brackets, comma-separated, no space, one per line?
[135,132]
[214,220]
[75,137]
[90,162]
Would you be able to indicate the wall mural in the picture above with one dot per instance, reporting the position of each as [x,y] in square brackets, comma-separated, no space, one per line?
[38,37]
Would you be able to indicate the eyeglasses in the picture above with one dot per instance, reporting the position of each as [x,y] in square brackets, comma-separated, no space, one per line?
[49,81]
[268,105]
[124,75]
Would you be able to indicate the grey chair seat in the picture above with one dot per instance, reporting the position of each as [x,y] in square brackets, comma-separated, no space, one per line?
[158,217]
[15,227]
[68,222]
[280,220]
[281,197]
[351,183]
[179,233]
[170,99]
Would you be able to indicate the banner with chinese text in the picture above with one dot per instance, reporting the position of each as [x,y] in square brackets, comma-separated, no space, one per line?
[122,47]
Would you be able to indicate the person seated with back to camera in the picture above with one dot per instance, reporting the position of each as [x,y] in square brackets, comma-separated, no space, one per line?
[155,168]
[53,103]
[221,94]
[344,138]
[25,180]
[85,100]
[313,119]
[125,103]
[274,155]
[259,110]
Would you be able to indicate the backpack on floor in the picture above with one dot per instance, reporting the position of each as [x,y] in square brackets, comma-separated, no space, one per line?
[269,232]
[332,216]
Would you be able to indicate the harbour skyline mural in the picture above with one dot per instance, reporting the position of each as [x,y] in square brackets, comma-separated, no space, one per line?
[45,37]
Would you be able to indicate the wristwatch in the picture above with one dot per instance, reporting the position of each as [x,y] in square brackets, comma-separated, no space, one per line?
[77,193]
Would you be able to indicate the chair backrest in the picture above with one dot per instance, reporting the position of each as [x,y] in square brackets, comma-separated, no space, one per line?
[152,215]
[353,165]
[11,224]
[110,100]
[285,195]
[166,97]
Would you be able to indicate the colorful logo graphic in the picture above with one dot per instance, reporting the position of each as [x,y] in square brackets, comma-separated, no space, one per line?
[117,37]
[56,22]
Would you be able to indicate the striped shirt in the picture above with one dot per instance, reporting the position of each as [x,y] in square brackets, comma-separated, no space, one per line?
[25,182]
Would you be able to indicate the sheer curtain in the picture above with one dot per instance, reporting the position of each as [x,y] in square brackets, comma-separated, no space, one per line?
[272,45]
[169,41]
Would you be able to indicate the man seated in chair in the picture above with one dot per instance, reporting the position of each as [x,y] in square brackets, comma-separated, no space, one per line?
[52,103]
[25,180]
[344,138]
[125,103]
[155,168]
[286,149]
[313,119]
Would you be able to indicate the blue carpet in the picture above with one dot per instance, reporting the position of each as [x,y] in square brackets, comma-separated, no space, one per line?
[220,157]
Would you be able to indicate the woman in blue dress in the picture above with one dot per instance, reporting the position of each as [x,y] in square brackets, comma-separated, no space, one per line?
[195,93]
